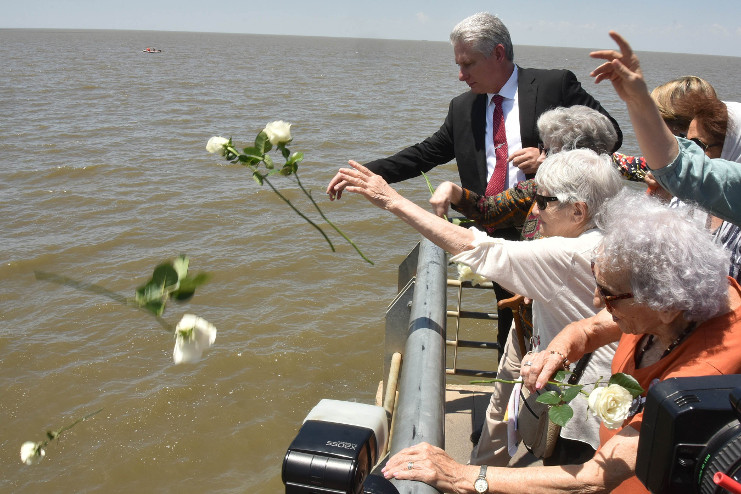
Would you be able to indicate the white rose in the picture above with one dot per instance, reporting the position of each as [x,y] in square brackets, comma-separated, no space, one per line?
[466,274]
[611,404]
[193,335]
[31,452]
[216,145]
[279,132]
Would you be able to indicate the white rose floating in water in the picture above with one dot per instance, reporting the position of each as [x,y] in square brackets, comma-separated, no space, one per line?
[611,404]
[193,335]
[216,145]
[32,452]
[278,132]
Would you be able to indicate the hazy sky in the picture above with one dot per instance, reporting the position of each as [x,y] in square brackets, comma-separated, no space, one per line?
[712,26]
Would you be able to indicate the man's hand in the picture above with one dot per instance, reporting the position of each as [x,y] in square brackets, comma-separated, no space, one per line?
[527,159]
[447,193]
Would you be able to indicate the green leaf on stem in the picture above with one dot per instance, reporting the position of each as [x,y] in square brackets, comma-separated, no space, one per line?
[561,376]
[295,158]
[262,144]
[549,398]
[571,393]
[284,151]
[252,151]
[560,414]
[180,265]
[257,177]
[268,162]
[188,286]
[628,382]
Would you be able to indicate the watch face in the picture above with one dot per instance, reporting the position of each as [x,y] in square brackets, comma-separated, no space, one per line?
[481,485]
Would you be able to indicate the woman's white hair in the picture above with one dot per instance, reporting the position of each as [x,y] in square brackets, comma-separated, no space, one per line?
[669,258]
[576,127]
[579,175]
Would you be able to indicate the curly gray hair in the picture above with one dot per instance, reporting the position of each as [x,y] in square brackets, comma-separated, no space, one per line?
[670,259]
[484,31]
[579,175]
[576,127]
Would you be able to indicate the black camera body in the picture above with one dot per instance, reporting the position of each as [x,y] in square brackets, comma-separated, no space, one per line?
[690,431]
[336,449]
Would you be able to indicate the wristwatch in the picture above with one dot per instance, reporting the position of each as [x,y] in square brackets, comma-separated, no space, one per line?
[481,485]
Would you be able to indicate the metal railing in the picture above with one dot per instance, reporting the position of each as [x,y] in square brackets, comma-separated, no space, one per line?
[416,324]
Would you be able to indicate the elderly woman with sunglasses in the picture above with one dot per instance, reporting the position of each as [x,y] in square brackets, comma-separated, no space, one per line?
[669,303]
[554,271]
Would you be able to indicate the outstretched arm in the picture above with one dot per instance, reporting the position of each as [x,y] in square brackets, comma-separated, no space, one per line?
[623,69]
[360,180]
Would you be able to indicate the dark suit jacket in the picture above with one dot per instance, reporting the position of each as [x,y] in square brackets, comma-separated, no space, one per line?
[461,137]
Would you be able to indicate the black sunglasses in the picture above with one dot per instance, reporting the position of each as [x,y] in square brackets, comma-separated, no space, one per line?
[606,295]
[704,146]
[542,201]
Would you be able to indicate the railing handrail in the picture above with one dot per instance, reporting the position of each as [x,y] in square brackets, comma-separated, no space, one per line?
[420,412]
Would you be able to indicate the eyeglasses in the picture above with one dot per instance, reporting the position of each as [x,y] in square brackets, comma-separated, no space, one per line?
[704,146]
[542,148]
[542,201]
[605,294]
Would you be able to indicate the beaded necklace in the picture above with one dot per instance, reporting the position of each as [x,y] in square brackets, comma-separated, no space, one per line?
[672,346]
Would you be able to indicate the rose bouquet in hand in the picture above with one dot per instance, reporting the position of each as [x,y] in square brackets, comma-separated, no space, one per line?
[275,135]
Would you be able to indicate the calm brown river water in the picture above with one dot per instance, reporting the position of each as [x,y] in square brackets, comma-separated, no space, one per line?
[105,174]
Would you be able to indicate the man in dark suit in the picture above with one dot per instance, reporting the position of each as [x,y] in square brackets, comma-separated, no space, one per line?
[484,53]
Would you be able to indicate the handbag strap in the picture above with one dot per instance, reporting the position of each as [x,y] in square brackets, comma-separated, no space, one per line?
[579,369]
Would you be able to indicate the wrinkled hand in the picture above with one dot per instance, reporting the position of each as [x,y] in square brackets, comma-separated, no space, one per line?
[335,187]
[544,367]
[622,69]
[361,180]
[430,465]
[447,193]
[527,159]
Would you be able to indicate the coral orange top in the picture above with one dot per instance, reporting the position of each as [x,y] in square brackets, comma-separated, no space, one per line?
[711,349]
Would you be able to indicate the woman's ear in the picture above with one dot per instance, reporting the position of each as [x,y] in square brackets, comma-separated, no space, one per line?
[669,316]
[579,213]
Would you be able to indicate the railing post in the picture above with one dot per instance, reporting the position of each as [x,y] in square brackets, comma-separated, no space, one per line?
[420,414]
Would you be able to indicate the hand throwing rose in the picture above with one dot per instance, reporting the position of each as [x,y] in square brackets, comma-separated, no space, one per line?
[279,132]
[611,404]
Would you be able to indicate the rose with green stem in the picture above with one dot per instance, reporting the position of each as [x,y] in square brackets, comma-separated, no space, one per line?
[32,452]
[610,403]
[275,134]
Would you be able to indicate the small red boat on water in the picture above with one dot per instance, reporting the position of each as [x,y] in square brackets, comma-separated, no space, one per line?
[151,50]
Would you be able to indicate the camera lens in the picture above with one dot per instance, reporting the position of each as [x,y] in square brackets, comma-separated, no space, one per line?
[722,454]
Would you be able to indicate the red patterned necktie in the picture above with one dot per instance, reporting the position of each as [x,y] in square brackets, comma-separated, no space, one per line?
[499,177]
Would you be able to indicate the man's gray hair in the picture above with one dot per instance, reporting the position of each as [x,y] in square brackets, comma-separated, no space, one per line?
[579,175]
[483,31]
[577,127]
[669,258]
